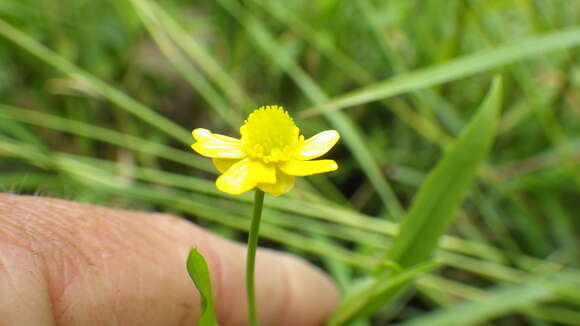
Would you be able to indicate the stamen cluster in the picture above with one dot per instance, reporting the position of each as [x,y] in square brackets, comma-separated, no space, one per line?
[270,135]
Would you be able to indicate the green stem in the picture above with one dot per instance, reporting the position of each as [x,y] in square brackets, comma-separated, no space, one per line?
[251,257]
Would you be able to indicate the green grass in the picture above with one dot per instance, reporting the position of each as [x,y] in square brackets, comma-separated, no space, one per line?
[98,108]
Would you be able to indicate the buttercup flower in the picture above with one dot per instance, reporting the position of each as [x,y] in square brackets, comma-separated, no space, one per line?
[270,153]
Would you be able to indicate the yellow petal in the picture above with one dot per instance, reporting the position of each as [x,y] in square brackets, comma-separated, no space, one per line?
[201,134]
[284,183]
[215,145]
[245,175]
[302,168]
[318,145]
[223,164]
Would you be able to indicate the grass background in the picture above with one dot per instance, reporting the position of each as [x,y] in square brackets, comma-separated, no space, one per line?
[97,99]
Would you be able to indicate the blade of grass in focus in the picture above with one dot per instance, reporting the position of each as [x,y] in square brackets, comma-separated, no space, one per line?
[434,207]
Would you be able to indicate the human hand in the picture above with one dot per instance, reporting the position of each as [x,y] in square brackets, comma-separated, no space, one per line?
[65,263]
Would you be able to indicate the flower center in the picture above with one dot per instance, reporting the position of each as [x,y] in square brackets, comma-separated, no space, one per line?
[270,135]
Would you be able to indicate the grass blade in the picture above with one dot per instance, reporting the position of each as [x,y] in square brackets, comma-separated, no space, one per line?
[194,78]
[100,87]
[453,70]
[202,57]
[82,129]
[434,207]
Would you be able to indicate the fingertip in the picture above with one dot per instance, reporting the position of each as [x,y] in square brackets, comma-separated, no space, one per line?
[304,294]
[317,294]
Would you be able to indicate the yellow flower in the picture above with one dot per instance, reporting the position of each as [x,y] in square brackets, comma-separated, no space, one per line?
[269,154]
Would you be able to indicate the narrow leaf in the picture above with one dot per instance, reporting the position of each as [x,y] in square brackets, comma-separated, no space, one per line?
[435,205]
[199,273]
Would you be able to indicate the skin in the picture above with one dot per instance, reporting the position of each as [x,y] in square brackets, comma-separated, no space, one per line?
[66,263]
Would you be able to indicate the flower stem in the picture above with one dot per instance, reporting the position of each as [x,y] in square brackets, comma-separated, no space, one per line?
[251,256]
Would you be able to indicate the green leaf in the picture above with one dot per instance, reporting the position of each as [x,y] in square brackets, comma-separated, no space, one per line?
[430,215]
[435,205]
[375,291]
[199,273]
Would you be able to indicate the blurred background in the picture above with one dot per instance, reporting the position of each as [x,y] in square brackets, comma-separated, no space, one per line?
[97,100]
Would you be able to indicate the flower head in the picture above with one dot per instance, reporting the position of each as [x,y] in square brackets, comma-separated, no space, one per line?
[270,153]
